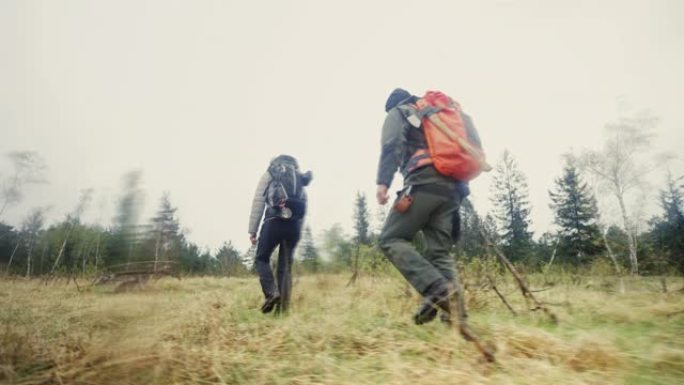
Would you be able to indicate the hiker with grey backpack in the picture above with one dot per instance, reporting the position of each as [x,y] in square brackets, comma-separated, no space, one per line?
[278,207]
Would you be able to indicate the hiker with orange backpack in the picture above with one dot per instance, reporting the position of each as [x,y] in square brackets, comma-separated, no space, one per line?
[437,149]
[280,192]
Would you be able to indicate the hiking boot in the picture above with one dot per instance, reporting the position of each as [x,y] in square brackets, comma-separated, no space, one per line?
[436,299]
[270,302]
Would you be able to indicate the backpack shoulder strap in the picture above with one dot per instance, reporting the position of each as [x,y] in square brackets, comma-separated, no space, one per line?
[268,184]
[411,113]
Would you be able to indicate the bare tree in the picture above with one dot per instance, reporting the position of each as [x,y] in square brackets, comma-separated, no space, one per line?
[72,220]
[619,168]
[28,168]
[32,225]
[14,251]
[594,182]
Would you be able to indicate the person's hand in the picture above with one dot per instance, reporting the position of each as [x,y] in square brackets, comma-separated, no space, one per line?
[252,238]
[381,194]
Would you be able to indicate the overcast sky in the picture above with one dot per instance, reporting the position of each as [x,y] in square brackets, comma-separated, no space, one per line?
[200,95]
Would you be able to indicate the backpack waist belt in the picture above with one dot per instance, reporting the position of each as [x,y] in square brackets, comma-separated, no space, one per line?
[420,158]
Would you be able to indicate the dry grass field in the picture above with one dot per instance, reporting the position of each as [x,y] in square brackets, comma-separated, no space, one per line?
[210,331]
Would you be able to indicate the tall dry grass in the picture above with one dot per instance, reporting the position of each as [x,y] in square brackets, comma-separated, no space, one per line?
[209,330]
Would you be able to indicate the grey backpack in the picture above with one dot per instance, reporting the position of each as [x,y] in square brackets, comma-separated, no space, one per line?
[285,191]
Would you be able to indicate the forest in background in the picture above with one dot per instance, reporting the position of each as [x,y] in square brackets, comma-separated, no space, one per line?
[614,178]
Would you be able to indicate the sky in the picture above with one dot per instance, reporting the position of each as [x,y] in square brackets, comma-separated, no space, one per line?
[200,95]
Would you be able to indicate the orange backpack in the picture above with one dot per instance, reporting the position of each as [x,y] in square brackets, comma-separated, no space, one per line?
[449,148]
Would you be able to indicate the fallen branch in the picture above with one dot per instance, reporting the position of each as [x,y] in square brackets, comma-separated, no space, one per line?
[503,299]
[564,303]
[540,290]
[463,326]
[519,279]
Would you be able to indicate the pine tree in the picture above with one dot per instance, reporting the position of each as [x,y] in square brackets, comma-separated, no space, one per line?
[470,243]
[165,231]
[309,253]
[8,236]
[230,260]
[361,222]
[512,208]
[576,215]
[667,231]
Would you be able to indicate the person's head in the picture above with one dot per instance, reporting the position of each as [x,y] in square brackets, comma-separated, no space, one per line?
[397,97]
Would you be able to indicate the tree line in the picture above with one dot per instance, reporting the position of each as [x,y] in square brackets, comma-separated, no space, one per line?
[583,234]
[615,177]
[73,248]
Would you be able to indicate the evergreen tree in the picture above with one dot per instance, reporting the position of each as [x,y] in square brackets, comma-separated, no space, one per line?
[309,253]
[379,219]
[164,231]
[336,246]
[667,232]
[230,260]
[470,243]
[196,260]
[490,228]
[361,222]
[8,236]
[512,208]
[576,215]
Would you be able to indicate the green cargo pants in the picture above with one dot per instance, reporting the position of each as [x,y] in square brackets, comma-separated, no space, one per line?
[432,211]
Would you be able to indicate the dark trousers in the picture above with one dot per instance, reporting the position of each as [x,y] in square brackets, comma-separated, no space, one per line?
[432,212]
[284,234]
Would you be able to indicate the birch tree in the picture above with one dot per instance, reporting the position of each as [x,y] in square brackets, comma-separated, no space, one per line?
[32,226]
[620,167]
[73,219]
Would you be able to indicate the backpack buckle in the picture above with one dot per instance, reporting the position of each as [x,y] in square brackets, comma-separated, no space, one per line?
[285,212]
